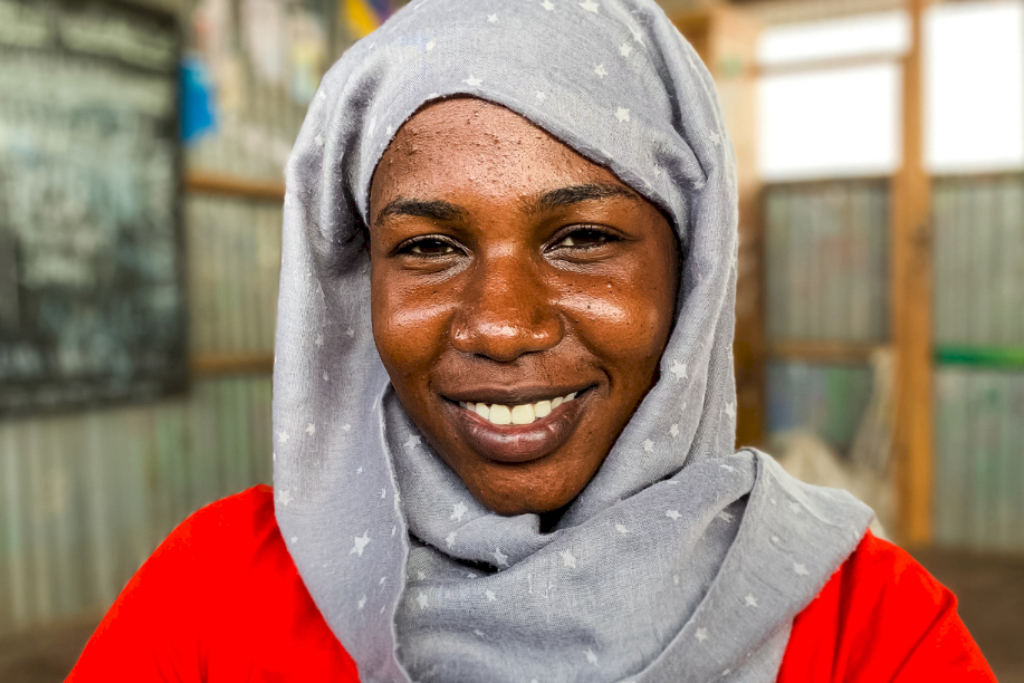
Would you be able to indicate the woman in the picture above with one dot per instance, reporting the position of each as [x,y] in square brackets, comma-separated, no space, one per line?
[504,402]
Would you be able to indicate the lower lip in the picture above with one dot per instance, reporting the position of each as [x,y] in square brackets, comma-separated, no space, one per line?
[515,444]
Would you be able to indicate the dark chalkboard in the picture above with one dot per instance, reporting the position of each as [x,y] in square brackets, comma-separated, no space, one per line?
[92,304]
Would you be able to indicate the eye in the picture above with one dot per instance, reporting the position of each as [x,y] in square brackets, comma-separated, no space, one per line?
[589,237]
[426,247]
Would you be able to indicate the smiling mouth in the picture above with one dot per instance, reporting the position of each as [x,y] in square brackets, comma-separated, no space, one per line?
[519,433]
[523,414]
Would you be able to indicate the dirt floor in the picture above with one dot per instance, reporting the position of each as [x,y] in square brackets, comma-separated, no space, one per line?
[991,592]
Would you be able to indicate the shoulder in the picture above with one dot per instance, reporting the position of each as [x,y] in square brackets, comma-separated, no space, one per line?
[233,530]
[882,616]
[220,596]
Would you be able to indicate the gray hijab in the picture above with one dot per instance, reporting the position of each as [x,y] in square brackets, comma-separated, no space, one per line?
[681,560]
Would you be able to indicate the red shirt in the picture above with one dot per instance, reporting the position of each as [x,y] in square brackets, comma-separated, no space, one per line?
[221,600]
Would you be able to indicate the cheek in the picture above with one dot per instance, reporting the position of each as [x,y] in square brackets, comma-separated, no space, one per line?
[409,327]
[628,321]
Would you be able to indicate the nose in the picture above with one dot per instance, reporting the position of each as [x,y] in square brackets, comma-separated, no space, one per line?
[505,311]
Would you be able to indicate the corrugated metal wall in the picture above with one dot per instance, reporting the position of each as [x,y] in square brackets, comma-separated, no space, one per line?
[85,497]
[827,278]
[827,281]
[979,337]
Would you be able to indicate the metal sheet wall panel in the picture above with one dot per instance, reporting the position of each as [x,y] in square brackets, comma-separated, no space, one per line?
[979,481]
[827,261]
[85,498]
[979,261]
[827,399]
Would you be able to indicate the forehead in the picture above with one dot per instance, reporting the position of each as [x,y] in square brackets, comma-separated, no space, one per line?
[470,144]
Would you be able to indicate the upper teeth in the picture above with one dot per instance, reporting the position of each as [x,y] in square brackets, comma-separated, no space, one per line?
[524,414]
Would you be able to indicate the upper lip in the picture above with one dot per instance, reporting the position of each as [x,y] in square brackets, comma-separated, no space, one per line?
[514,395]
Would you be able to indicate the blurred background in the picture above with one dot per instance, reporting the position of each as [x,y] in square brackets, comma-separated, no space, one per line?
[880,314]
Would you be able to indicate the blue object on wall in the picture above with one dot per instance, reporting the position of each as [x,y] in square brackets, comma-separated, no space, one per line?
[198,101]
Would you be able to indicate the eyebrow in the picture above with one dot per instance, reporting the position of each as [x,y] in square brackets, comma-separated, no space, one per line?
[574,194]
[434,210]
[439,210]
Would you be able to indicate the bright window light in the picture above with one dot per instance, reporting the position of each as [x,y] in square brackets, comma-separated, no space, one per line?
[869,34]
[839,122]
[974,80]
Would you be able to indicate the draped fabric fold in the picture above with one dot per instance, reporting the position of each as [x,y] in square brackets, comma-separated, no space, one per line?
[681,560]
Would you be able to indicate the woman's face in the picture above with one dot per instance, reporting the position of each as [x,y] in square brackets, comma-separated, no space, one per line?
[522,298]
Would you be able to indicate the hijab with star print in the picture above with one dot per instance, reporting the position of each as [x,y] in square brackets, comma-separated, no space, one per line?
[682,560]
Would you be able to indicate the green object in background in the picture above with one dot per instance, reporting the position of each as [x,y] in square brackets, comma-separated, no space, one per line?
[995,357]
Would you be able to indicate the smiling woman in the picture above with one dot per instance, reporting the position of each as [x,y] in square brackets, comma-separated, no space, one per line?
[522,297]
[504,408]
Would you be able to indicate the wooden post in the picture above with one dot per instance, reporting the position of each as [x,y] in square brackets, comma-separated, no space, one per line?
[911,307]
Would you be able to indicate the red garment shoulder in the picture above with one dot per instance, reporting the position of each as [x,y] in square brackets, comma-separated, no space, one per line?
[882,617]
[219,600]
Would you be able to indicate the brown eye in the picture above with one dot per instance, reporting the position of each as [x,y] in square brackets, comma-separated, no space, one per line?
[427,247]
[585,238]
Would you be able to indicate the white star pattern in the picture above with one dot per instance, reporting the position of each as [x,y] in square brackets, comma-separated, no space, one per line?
[674,430]
[568,559]
[648,446]
[730,409]
[319,140]
[600,70]
[450,539]
[679,370]
[311,429]
[472,81]
[702,634]
[383,580]
[541,95]
[590,6]
[500,557]
[431,45]
[319,340]
[350,332]
[750,600]
[458,510]
[622,114]
[285,497]
[294,539]
[347,427]
[360,544]
[621,529]
[412,443]
[282,437]
[389,130]
[326,378]
[359,470]
[716,137]
[625,49]
[491,597]
[775,539]
[591,657]
[422,600]
[548,5]
[383,494]
[728,468]
[800,569]
[322,95]
[673,514]
[420,576]
[492,18]
[362,602]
